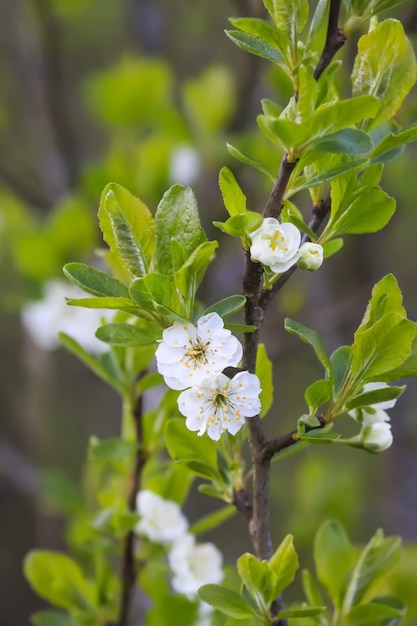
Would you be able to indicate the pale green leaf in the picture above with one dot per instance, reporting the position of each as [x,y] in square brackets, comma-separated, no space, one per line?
[311,337]
[255,46]
[233,197]
[127,335]
[255,164]
[227,306]
[95,282]
[226,601]
[284,563]
[264,372]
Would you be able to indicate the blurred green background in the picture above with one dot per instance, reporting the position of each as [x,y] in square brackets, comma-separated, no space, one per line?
[147,93]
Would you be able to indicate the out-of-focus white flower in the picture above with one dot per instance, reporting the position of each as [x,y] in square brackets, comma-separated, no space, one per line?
[194,564]
[161,520]
[219,403]
[186,355]
[376,437]
[185,165]
[276,245]
[375,413]
[311,256]
[45,318]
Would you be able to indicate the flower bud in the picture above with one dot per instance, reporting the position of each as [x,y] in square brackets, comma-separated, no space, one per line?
[376,437]
[311,256]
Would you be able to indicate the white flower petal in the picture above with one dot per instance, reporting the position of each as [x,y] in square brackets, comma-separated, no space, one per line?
[276,245]
[194,564]
[161,520]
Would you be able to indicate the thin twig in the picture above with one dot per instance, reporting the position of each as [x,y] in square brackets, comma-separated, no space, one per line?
[274,446]
[335,39]
[128,568]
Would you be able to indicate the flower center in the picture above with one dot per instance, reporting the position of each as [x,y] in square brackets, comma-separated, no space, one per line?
[277,241]
[197,352]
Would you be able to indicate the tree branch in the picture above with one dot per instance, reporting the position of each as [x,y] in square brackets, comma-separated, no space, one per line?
[274,203]
[128,569]
[335,39]
[274,446]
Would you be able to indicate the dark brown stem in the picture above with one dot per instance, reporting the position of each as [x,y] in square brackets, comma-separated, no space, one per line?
[128,568]
[274,203]
[335,39]
[274,446]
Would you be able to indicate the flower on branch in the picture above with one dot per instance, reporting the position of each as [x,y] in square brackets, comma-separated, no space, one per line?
[194,564]
[276,245]
[375,435]
[161,520]
[188,354]
[311,256]
[219,403]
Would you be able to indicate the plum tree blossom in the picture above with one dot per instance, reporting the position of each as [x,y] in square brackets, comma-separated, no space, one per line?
[45,318]
[161,520]
[188,354]
[220,404]
[276,245]
[376,436]
[194,564]
[311,256]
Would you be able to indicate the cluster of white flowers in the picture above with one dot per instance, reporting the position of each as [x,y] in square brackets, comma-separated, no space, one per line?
[375,435]
[193,358]
[44,319]
[277,246]
[192,564]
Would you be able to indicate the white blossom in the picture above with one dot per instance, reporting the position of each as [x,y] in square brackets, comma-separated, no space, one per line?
[44,319]
[276,245]
[219,403]
[376,436]
[311,256]
[193,565]
[375,413]
[161,520]
[185,165]
[186,354]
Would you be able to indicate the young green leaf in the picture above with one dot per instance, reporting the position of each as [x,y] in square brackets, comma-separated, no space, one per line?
[334,556]
[255,46]
[104,302]
[258,579]
[128,228]
[392,142]
[190,275]
[178,229]
[151,289]
[95,282]
[384,67]
[311,337]
[51,618]
[288,16]
[227,306]
[241,225]
[346,141]
[259,28]
[376,396]
[340,361]
[317,394]
[284,564]
[213,520]
[370,212]
[233,197]
[226,601]
[183,445]
[111,450]
[374,613]
[127,335]
[264,372]
[301,612]
[239,156]
[386,298]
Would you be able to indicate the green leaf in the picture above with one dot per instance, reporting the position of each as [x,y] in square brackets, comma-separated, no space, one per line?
[284,563]
[233,197]
[370,212]
[94,364]
[286,132]
[311,589]
[226,601]
[317,394]
[406,369]
[241,225]
[95,282]
[178,229]
[121,304]
[393,141]
[258,579]
[244,159]
[372,613]
[255,46]
[386,298]
[311,337]
[128,228]
[150,290]
[370,398]
[349,164]
[346,141]
[321,437]
[259,28]
[334,556]
[291,16]
[183,445]
[59,579]
[240,328]
[331,247]
[51,618]
[301,612]
[213,520]
[190,275]
[227,306]
[264,372]
[340,362]
[334,116]
[111,450]
[384,67]
[126,335]
[382,347]
[376,559]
